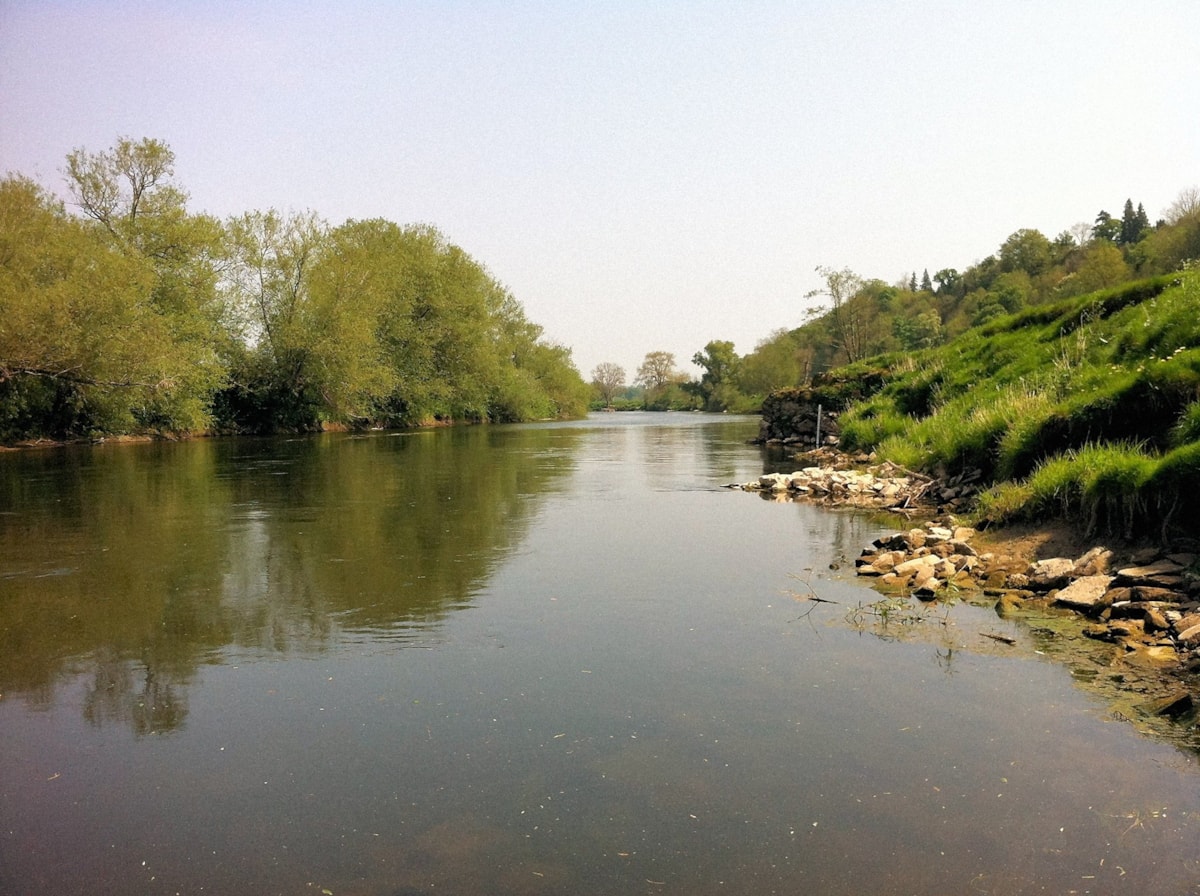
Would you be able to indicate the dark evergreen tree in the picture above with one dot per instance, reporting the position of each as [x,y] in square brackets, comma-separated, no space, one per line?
[926,283]
[1107,228]
[1130,228]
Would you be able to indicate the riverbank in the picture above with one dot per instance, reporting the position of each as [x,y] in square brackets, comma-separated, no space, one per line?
[1124,616]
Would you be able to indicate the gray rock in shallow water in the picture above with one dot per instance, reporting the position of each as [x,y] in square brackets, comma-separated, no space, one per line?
[1053,573]
[1088,594]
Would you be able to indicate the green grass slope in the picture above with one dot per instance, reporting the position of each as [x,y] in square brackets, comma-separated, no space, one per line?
[1086,408]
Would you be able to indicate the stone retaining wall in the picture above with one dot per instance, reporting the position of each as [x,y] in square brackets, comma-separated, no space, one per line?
[791,418]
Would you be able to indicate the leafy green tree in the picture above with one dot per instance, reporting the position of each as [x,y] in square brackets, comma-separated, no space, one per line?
[717,388]
[80,343]
[947,280]
[1026,250]
[656,371]
[608,379]
[129,191]
[1103,265]
[1106,228]
[923,330]
[536,378]
[400,322]
[266,279]
[849,321]
[777,362]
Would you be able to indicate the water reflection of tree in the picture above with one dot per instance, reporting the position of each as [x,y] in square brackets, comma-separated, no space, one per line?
[135,694]
[132,566]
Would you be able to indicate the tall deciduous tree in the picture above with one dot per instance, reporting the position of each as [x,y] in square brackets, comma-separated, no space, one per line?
[777,362]
[129,191]
[608,379]
[656,371]
[1186,205]
[848,321]
[718,384]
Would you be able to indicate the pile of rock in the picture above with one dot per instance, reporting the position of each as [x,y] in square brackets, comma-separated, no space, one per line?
[1152,607]
[885,487]
[926,560]
[837,478]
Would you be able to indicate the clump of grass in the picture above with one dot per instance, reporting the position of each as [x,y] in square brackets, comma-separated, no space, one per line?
[1174,486]
[966,433]
[1102,484]
[865,425]
[1187,427]
[1004,503]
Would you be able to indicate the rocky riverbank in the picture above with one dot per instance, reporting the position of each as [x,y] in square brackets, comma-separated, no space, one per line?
[1140,601]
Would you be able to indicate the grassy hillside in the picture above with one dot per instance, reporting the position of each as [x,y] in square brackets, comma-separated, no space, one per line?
[1086,408]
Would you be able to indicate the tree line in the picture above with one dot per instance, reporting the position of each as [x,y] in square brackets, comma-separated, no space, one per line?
[136,315]
[855,317]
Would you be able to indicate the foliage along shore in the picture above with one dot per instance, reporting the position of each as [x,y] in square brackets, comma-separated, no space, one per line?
[138,316]
[1085,409]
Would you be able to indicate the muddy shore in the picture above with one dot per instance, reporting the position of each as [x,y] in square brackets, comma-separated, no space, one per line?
[1125,617]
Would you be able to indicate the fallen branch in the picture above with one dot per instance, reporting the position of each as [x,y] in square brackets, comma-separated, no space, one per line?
[1003,639]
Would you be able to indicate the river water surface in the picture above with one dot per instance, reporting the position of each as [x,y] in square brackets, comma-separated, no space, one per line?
[550,659]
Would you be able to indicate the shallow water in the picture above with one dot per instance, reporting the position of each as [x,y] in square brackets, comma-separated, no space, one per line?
[508,660]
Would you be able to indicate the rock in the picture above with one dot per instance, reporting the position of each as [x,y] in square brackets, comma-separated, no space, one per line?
[923,575]
[1087,595]
[966,562]
[908,567]
[1184,622]
[1189,637]
[1163,573]
[1172,706]
[963,533]
[1098,631]
[1016,580]
[1009,602]
[1150,593]
[1156,657]
[928,589]
[774,482]
[1094,563]
[879,564]
[1052,573]
[1155,620]
[939,534]
[1126,628]
[945,570]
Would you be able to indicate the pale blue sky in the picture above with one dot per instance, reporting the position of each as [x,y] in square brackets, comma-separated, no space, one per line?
[642,176]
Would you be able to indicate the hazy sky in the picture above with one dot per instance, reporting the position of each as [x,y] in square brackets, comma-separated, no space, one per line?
[642,176]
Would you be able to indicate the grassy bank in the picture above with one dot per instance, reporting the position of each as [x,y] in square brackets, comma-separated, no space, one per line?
[1085,409]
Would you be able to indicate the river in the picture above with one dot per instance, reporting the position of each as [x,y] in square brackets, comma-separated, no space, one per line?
[544,659]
